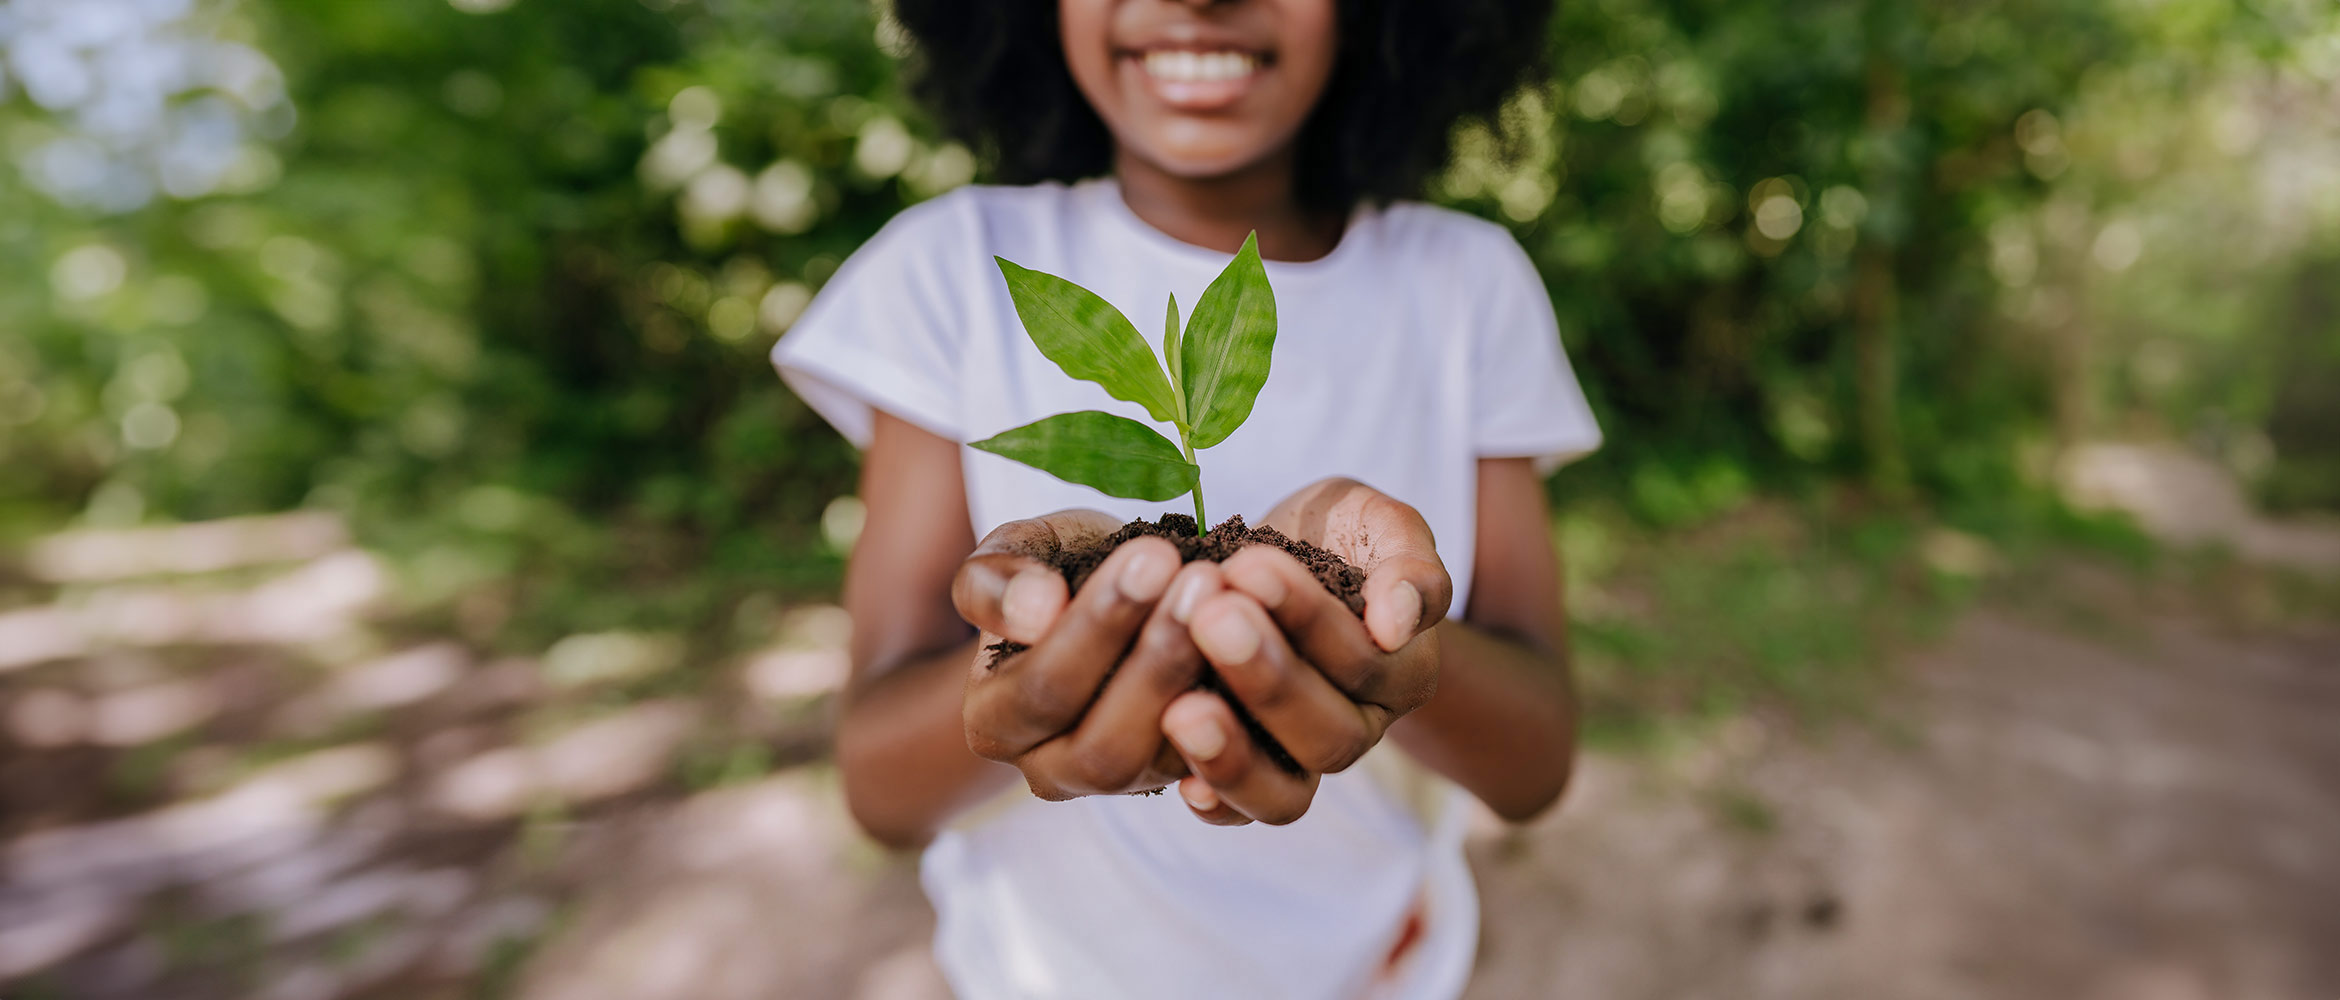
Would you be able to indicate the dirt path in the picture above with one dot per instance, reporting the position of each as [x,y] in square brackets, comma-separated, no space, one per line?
[2152,818]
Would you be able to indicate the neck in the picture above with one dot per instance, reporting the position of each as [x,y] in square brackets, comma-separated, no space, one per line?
[1218,212]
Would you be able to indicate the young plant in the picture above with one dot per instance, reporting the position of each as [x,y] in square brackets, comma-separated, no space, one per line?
[1215,369]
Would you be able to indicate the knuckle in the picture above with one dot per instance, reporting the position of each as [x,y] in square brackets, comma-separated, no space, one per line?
[1228,770]
[987,745]
[1044,789]
[1283,812]
[1100,768]
[1350,670]
[1345,746]
[1328,755]
[1167,765]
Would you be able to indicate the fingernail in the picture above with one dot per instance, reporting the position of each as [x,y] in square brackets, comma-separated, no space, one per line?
[1406,605]
[1227,639]
[1199,739]
[1201,796]
[1188,594]
[1146,574]
[1025,603]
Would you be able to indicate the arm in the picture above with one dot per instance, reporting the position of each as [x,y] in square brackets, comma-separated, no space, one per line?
[901,742]
[1503,723]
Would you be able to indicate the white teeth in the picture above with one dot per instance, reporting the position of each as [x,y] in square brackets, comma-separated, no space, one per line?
[1185,66]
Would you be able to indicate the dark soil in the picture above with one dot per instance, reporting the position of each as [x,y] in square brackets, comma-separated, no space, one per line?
[1229,537]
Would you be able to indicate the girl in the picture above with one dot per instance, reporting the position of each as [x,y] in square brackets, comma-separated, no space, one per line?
[1417,352]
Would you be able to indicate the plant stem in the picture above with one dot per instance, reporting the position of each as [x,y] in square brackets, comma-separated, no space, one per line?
[1202,524]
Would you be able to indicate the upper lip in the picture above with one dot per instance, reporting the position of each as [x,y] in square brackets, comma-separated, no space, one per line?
[1139,50]
[1197,38]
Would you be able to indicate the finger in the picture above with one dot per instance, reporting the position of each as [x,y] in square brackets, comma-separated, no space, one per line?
[1010,596]
[1005,586]
[1218,751]
[1204,802]
[1407,588]
[1118,745]
[1325,633]
[1322,728]
[1404,597]
[1043,690]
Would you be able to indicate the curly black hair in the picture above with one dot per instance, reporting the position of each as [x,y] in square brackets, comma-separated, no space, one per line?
[993,73]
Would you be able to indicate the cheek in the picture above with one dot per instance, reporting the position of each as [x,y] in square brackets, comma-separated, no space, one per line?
[1084,29]
[1311,29]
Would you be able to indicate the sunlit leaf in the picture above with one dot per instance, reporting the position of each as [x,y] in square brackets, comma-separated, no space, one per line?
[1226,347]
[1114,455]
[1088,338]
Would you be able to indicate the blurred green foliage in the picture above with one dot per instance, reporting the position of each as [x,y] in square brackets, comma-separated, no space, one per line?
[503,290]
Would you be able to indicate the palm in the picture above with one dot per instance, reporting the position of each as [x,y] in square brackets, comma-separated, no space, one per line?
[1380,535]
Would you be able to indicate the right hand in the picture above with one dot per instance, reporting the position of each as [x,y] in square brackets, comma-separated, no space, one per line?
[1079,713]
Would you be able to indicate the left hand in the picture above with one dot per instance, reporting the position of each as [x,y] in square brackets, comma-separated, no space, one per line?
[1324,683]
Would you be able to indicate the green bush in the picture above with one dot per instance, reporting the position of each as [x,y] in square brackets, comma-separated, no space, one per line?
[503,287]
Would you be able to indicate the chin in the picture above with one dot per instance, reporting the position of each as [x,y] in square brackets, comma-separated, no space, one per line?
[1200,154]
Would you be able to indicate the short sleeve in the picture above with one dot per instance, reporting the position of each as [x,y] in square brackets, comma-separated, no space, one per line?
[879,335]
[1525,401]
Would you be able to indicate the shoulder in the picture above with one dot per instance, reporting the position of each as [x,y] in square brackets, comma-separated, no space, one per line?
[1467,239]
[946,239]
[976,211]
[1441,251]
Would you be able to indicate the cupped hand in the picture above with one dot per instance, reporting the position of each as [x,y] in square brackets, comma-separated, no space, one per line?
[1325,684]
[1079,711]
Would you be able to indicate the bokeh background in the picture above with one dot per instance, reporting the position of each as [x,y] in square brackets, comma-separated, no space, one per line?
[415,583]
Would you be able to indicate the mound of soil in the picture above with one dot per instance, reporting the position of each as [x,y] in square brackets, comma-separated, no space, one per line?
[1229,537]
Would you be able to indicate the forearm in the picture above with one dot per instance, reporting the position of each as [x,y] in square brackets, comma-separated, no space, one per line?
[902,749]
[1503,723]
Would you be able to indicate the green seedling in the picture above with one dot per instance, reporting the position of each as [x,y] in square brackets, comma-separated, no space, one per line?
[1214,371]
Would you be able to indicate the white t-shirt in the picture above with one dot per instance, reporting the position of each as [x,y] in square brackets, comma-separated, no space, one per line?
[1424,341]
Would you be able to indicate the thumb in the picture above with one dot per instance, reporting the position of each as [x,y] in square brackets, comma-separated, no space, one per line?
[1404,597]
[1407,588]
[1014,597]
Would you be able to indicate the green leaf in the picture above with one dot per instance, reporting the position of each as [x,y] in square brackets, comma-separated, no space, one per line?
[1228,340]
[1088,338]
[1170,354]
[1114,455]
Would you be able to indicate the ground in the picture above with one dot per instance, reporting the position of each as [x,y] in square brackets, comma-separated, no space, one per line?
[220,777]
[2045,815]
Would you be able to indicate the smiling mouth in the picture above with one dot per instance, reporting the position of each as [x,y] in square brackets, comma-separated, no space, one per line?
[1188,66]
[1199,79]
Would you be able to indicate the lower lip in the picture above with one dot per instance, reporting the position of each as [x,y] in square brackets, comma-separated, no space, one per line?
[1195,95]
